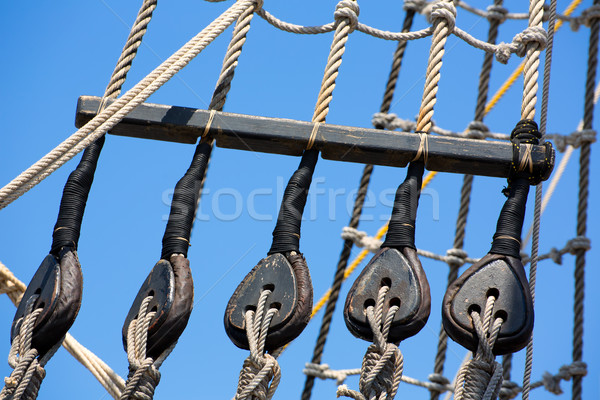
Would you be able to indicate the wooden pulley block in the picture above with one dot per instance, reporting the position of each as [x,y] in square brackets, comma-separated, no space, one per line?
[495,275]
[172,289]
[401,270]
[288,279]
[58,283]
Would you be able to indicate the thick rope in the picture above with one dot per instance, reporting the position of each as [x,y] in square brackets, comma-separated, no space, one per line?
[230,62]
[356,213]
[481,378]
[466,189]
[113,114]
[383,362]
[28,368]
[143,370]
[260,374]
[582,206]
[443,18]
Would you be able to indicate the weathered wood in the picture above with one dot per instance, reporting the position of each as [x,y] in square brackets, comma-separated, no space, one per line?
[290,137]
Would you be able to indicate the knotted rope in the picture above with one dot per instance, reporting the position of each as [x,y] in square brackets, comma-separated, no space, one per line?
[383,362]
[483,372]
[260,374]
[28,369]
[143,374]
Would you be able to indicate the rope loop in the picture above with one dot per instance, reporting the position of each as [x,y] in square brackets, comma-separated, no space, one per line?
[258,5]
[477,130]
[349,10]
[531,34]
[444,10]
[456,257]
[496,13]
[578,243]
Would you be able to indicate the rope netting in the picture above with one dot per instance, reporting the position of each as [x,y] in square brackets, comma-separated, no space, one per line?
[382,370]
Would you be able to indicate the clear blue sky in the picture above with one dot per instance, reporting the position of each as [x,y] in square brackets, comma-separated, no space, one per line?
[55,52]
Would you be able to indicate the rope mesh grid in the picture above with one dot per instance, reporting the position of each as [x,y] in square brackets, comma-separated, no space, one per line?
[579,245]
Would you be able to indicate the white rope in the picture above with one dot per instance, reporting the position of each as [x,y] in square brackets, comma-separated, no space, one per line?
[260,374]
[113,114]
[383,362]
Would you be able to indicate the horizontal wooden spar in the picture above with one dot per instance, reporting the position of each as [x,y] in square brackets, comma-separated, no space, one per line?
[290,137]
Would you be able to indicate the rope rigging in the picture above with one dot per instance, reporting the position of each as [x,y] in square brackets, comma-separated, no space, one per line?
[273,304]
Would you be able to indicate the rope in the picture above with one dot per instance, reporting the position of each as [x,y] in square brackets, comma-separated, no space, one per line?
[217,102]
[260,373]
[383,362]
[10,285]
[481,377]
[143,371]
[538,196]
[465,194]
[363,186]
[582,206]
[113,114]
[28,368]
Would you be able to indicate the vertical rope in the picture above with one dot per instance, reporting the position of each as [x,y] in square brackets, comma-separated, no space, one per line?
[538,194]
[442,15]
[230,62]
[465,193]
[584,174]
[532,62]
[363,186]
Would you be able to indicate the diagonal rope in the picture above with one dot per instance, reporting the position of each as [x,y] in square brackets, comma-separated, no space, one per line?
[113,114]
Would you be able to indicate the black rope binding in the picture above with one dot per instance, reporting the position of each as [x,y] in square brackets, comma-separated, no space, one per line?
[286,235]
[507,239]
[176,239]
[72,205]
[401,230]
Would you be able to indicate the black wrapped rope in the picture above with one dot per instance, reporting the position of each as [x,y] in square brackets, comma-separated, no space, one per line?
[72,205]
[286,235]
[401,230]
[176,239]
[507,239]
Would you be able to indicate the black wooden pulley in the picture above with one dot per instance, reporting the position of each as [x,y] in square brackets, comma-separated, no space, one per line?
[58,283]
[172,289]
[288,279]
[401,270]
[503,277]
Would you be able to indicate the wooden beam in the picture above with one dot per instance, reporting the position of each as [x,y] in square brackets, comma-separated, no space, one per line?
[290,137]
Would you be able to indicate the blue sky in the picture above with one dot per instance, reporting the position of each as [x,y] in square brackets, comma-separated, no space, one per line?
[55,52]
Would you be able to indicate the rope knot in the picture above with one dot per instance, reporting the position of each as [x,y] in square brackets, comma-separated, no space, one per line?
[575,139]
[578,243]
[556,256]
[349,10]
[509,390]
[503,52]
[477,130]
[588,15]
[258,4]
[456,257]
[440,381]
[531,35]
[414,5]
[446,11]
[384,120]
[552,382]
[496,13]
